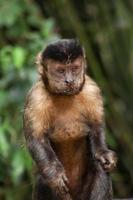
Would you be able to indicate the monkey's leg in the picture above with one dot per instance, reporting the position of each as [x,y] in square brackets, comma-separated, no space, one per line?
[96,186]
[106,157]
[102,187]
[42,191]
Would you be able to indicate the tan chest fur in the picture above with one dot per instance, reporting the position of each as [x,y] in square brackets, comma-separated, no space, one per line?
[71,115]
[67,120]
[67,117]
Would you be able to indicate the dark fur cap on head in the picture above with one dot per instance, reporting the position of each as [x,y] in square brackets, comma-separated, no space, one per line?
[64,50]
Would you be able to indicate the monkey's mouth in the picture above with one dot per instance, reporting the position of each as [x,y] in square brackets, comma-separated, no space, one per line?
[66,90]
[71,90]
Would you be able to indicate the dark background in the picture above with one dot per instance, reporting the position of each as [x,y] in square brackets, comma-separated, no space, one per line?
[106,30]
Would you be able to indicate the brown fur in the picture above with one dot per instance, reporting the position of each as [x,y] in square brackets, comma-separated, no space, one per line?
[51,109]
[57,128]
[67,114]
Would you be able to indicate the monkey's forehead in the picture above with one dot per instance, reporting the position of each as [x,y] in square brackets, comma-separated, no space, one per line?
[68,63]
[63,50]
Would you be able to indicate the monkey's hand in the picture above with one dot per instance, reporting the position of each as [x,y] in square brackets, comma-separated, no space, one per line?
[59,185]
[107,158]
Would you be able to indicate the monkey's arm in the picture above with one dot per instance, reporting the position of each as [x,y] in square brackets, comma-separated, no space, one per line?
[106,157]
[44,156]
[95,117]
[48,164]
[37,139]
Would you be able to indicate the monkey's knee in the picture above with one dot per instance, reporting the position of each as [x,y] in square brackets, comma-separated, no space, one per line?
[42,191]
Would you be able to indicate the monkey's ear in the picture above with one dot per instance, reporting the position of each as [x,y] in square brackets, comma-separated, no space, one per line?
[39,63]
[84,54]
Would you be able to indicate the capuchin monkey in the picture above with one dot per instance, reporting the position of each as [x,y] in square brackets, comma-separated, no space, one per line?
[64,128]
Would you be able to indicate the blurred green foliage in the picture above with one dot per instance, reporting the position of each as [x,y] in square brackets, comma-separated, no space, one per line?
[23,33]
[105,28]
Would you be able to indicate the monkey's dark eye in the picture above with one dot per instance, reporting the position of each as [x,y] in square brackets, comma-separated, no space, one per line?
[75,69]
[61,71]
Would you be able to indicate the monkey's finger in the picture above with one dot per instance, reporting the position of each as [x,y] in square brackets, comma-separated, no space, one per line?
[102,160]
[109,166]
[109,160]
[65,188]
[65,178]
[60,193]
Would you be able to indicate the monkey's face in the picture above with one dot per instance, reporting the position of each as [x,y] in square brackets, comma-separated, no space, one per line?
[65,78]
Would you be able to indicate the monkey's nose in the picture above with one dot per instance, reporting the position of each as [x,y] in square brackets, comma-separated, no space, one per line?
[68,81]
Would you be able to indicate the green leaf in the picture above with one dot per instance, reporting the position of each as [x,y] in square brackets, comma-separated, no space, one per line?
[17,166]
[9,12]
[3,98]
[4,144]
[5,59]
[18,56]
[47,28]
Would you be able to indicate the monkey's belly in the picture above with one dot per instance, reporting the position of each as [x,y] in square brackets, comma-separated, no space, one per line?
[73,156]
[70,144]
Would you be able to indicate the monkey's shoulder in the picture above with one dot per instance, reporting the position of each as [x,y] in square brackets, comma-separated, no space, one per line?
[92,101]
[91,89]
[37,96]
[36,112]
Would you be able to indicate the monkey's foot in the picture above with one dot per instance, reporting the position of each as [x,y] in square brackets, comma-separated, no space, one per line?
[107,158]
